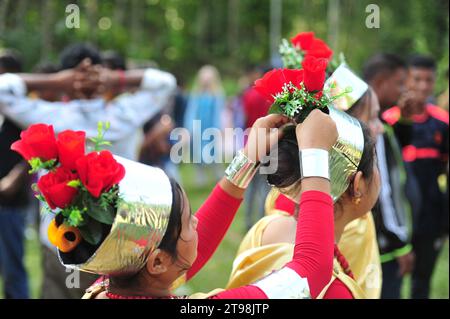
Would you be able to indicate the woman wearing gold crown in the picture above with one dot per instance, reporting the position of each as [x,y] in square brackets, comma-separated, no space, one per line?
[132,224]
[269,243]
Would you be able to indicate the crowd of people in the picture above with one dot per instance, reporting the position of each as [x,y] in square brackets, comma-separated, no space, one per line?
[390,220]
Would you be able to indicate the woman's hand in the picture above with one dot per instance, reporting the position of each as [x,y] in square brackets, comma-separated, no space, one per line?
[317,131]
[264,134]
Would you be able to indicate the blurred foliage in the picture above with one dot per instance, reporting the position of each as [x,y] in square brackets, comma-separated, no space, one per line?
[181,35]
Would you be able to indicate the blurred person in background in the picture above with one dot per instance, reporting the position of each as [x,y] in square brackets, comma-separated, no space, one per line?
[254,106]
[49,94]
[204,110]
[14,199]
[443,98]
[427,153]
[80,79]
[386,73]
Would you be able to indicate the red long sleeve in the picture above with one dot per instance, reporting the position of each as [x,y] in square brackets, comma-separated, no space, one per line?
[338,290]
[246,292]
[214,219]
[314,243]
[314,247]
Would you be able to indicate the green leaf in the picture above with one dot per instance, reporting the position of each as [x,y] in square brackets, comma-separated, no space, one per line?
[34,187]
[99,213]
[74,183]
[99,140]
[275,109]
[41,198]
[75,217]
[100,129]
[37,164]
[91,232]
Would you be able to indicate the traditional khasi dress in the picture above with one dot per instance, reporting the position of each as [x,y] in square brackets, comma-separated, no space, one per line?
[304,276]
[358,244]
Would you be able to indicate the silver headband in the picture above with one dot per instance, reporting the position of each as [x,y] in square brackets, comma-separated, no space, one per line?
[341,79]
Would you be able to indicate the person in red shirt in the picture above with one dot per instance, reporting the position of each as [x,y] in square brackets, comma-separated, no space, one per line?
[254,106]
[427,154]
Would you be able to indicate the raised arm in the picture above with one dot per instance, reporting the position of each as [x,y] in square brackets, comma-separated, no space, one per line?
[125,113]
[218,211]
[311,266]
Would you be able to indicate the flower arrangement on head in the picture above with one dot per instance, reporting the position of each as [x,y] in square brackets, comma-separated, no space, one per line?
[296,92]
[82,189]
[304,45]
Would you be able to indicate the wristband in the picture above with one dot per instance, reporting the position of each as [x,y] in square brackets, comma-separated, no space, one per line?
[314,163]
[241,170]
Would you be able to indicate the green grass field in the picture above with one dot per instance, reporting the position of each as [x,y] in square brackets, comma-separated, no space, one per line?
[215,273]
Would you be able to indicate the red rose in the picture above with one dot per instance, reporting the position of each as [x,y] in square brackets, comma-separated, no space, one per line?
[319,49]
[70,147]
[303,40]
[53,187]
[273,81]
[314,69]
[99,172]
[38,141]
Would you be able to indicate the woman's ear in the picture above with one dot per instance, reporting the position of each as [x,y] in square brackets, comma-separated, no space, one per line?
[158,262]
[358,186]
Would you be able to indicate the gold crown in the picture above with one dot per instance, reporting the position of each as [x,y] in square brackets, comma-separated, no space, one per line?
[140,224]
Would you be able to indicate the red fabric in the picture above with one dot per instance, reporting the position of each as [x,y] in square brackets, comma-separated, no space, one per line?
[314,241]
[437,113]
[392,115]
[214,219]
[247,292]
[314,247]
[255,106]
[411,153]
[285,204]
[338,290]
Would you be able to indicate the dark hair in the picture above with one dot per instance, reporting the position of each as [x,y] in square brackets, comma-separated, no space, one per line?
[422,61]
[382,63]
[359,106]
[288,169]
[368,156]
[11,61]
[46,67]
[173,231]
[113,60]
[73,54]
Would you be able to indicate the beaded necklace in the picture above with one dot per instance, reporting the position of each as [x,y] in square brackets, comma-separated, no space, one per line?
[343,262]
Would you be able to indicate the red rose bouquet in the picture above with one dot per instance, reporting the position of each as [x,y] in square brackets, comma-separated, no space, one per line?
[295,93]
[304,45]
[82,189]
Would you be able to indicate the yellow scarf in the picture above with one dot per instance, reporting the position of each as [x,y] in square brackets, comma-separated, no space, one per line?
[358,244]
